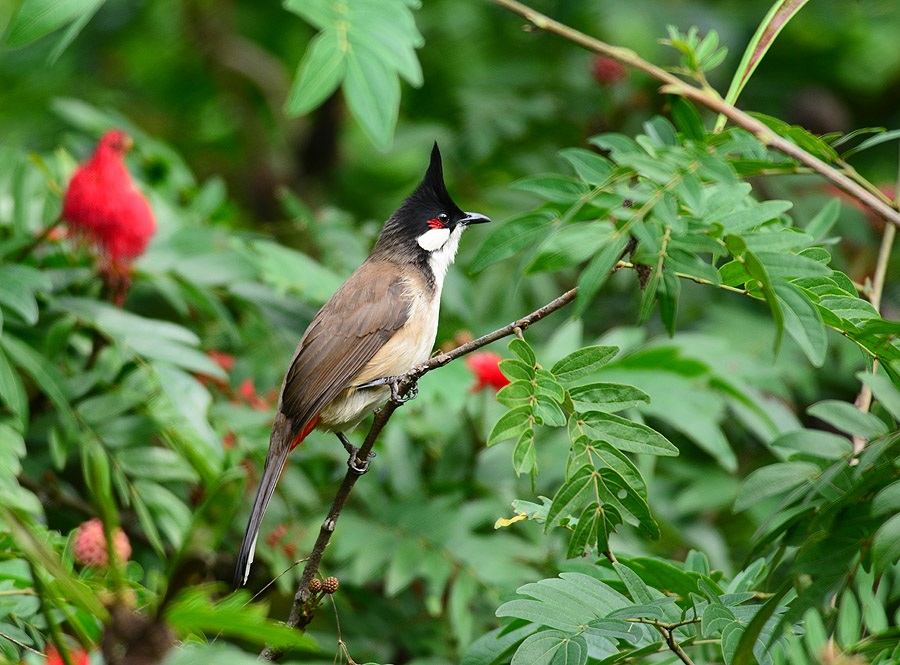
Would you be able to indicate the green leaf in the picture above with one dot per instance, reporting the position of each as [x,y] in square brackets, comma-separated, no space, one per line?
[514,234]
[550,412]
[516,393]
[12,392]
[886,544]
[773,480]
[510,425]
[614,489]
[625,434]
[524,455]
[570,496]
[552,647]
[45,374]
[521,349]
[750,643]
[758,272]
[516,370]
[715,617]
[887,500]
[598,271]
[749,218]
[590,167]
[372,92]
[193,611]
[686,118]
[849,621]
[885,392]
[37,18]
[815,443]
[585,533]
[571,245]
[609,397]
[583,362]
[638,591]
[848,418]
[871,142]
[803,321]
[552,187]
[319,73]
[789,266]
[819,226]
[493,648]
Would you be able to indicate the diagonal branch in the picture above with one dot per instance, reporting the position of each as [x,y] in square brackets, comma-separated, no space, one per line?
[305,602]
[709,98]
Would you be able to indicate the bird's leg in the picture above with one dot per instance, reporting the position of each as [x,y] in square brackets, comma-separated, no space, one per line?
[394,383]
[353,450]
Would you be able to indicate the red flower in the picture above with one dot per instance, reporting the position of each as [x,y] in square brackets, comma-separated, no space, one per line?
[247,390]
[103,204]
[485,366]
[608,71]
[76,656]
[222,359]
[90,544]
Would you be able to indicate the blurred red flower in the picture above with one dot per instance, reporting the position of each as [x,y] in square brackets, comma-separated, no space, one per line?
[103,205]
[77,656]
[90,544]
[485,366]
[608,71]
[247,390]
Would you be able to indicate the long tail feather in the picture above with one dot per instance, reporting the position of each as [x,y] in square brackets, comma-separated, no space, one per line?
[279,447]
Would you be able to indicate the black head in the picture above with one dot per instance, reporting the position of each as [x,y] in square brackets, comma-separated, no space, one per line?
[425,221]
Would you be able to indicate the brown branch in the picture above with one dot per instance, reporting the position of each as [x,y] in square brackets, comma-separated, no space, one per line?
[305,602]
[710,99]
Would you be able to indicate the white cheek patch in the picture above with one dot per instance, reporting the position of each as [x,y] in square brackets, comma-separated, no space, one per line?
[433,239]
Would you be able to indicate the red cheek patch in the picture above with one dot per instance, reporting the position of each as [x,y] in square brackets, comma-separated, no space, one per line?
[435,223]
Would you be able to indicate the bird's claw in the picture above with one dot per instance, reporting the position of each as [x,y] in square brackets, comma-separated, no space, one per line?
[411,394]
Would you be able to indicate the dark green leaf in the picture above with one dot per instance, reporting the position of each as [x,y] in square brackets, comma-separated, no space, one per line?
[886,544]
[607,396]
[511,236]
[773,480]
[598,271]
[625,434]
[570,496]
[591,167]
[847,418]
[803,321]
[37,18]
[552,647]
[510,425]
[524,455]
[583,362]
[552,187]
[522,351]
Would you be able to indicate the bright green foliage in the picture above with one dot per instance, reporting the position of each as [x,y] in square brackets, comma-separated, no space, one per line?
[680,447]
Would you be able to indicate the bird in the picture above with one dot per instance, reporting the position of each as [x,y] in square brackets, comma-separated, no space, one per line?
[378,324]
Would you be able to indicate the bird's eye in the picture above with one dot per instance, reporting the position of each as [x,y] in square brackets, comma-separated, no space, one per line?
[443,217]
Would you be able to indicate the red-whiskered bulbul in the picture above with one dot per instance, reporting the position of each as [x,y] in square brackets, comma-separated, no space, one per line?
[377,325]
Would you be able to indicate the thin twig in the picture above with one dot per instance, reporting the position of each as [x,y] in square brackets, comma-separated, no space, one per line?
[674,646]
[305,603]
[710,99]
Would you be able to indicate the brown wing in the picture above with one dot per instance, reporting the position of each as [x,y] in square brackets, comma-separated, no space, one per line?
[346,333]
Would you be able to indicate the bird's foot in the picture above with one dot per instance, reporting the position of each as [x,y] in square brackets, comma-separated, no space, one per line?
[394,383]
[354,451]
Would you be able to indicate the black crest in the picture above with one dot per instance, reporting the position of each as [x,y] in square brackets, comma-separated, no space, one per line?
[430,198]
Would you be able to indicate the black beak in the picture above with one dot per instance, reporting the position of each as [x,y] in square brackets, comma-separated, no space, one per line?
[474,218]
